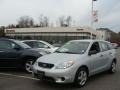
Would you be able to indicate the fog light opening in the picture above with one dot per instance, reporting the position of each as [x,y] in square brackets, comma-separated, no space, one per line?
[62,78]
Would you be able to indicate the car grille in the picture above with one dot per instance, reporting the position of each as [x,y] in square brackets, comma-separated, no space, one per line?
[45,65]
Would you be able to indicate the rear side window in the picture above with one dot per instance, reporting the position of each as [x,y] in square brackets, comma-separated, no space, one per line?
[104,46]
[39,45]
[29,44]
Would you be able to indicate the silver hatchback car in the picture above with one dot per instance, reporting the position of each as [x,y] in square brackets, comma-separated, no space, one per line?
[76,61]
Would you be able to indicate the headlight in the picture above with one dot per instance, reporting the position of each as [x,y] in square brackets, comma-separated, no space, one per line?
[65,65]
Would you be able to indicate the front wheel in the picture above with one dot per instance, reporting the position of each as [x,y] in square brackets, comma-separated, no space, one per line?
[81,77]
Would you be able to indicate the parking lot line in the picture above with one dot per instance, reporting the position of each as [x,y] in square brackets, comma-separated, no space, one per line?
[19,76]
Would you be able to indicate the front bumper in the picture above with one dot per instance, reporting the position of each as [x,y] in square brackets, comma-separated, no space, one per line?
[55,75]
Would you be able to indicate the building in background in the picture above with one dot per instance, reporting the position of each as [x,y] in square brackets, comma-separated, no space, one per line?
[104,34]
[50,34]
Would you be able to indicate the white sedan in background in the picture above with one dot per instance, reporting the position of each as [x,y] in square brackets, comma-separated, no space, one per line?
[40,45]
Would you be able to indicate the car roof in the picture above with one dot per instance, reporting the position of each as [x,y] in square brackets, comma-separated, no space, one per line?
[6,39]
[30,40]
[39,41]
[91,40]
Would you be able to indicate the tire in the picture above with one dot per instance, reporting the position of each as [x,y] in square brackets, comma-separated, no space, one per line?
[112,67]
[28,65]
[81,77]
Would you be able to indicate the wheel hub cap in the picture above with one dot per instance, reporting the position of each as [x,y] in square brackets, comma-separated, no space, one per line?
[82,77]
[28,66]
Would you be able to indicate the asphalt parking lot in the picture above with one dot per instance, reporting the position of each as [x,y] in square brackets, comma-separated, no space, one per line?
[12,79]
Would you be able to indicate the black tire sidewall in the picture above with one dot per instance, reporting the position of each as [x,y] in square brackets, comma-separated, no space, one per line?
[110,70]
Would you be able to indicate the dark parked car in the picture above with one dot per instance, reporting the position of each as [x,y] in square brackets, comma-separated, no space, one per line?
[15,54]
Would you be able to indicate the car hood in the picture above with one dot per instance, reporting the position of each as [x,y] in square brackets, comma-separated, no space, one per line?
[42,52]
[56,58]
[38,49]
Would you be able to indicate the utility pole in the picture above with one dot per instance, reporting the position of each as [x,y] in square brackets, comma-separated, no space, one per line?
[94,17]
[91,19]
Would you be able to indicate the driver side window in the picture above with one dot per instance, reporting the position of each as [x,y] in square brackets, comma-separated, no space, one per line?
[95,47]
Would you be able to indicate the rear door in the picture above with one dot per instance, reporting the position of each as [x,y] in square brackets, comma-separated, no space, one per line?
[8,56]
[106,50]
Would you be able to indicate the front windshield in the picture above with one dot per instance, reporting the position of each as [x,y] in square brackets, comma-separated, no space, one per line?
[22,44]
[74,47]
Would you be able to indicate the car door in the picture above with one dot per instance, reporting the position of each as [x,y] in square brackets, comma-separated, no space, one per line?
[107,54]
[96,60]
[8,55]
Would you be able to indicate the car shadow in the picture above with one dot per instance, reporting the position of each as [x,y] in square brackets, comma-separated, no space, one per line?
[14,71]
[55,86]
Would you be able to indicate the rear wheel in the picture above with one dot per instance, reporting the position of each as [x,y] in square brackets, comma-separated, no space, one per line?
[81,77]
[113,67]
[28,66]
[29,61]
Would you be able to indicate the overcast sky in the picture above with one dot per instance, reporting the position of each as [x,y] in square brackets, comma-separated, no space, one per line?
[80,10]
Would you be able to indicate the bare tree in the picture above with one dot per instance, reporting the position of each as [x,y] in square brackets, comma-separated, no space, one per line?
[65,21]
[11,26]
[43,21]
[46,21]
[61,21]
[119,33]
[68,20]
[31,23]
[2,34]
[25,21]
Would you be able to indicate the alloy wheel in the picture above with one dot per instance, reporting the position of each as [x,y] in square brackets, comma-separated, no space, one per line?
[113,67]
[28,66]
[81,77]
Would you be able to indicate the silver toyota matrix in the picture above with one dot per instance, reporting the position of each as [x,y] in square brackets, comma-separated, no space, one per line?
[75,61]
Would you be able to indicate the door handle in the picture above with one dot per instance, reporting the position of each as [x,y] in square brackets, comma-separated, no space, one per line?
[101,55]
[110,53]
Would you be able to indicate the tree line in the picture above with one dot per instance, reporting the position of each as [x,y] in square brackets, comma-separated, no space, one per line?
[2,34]
[43,21]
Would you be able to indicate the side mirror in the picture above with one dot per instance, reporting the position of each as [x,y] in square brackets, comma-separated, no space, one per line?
[92,52]
[17,48]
